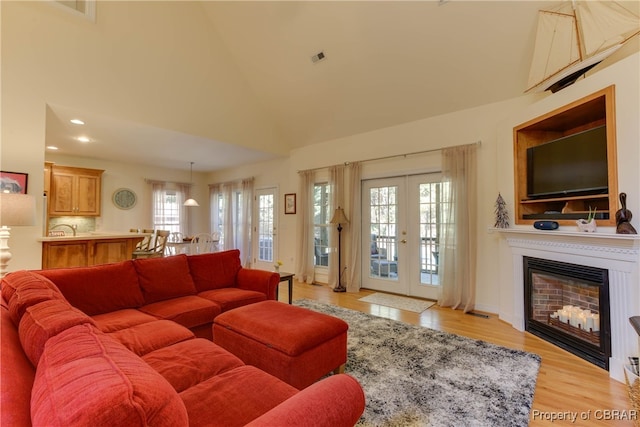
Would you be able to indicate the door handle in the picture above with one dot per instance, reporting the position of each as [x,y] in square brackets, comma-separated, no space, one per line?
[403,241]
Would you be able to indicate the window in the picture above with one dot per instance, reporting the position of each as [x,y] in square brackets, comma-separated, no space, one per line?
[321,218]
[168,212]
[431,208]
[265,227]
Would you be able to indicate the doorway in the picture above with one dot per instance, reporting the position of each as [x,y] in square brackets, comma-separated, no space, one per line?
[265,236]
[400,234]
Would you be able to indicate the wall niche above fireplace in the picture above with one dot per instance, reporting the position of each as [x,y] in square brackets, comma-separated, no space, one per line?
[542,145]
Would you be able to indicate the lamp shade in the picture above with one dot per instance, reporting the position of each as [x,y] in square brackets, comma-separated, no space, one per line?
[17,209]
[339,217]
[191,202]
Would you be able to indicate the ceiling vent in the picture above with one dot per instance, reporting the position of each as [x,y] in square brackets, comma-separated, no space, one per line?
[320,56]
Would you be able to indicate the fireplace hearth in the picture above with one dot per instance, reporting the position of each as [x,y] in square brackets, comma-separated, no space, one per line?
[568,305]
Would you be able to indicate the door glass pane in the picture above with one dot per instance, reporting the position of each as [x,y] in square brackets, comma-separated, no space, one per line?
[429,212]
[265,227]
[320,224]
[383,233]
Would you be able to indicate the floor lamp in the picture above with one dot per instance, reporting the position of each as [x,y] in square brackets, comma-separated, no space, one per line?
[339,218]
[15,209]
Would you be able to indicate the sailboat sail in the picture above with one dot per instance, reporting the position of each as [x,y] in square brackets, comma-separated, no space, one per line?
[576,36]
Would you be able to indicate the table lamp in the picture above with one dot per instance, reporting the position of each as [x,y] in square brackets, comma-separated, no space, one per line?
[15,210]
[339,218]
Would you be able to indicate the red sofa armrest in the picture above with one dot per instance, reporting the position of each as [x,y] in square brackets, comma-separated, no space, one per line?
[336,401]
[258,280]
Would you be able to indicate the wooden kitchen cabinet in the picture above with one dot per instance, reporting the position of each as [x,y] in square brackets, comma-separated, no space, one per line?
[86,252]
[65,254]
[75,191]
[113,250]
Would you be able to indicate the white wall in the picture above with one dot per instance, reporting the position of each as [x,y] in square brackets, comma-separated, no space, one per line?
[492,125]
[127,175]
[85,64]
[132,63]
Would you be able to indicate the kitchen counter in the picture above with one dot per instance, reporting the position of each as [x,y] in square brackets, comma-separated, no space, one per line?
[93,236]
[86,249]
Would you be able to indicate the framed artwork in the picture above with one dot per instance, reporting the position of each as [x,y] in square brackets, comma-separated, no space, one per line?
[13,182]
[290,203]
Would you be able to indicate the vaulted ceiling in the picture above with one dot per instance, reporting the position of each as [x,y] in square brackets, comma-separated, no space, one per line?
[386,63]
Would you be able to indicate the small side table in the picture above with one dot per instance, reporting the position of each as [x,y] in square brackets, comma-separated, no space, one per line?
[287,277]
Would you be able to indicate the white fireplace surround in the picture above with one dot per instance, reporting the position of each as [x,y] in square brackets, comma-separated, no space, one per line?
[617,253]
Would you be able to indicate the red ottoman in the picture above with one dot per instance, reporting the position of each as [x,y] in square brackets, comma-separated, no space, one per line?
[295,344]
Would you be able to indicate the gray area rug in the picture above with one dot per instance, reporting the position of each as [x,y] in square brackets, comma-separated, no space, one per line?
[415,376]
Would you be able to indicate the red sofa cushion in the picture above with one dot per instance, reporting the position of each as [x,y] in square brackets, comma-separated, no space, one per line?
[235,397]
[16,376]
[13,281]
[215,270]
[99,289]
[146,337]
[45,320]
[189,311]
[28,295]
[229,298]
[121,319]
[188,363]
[164,278]
[87,378]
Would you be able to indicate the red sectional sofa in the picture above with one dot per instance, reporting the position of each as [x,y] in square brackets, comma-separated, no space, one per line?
[121,345]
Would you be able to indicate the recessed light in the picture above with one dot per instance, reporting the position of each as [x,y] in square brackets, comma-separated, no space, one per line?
[51,147]
[83,139]
[76,121]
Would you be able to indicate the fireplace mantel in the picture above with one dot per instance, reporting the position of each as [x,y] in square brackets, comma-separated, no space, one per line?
[618,253]
[625,247]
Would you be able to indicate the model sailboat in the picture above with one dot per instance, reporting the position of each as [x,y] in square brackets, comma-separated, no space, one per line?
[576,36]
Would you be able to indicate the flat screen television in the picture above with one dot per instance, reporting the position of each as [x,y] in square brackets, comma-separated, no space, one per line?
[571,165]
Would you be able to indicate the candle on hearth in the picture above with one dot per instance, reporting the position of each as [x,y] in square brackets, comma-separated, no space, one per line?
[596,322]
[582,320]
[575,313]
[589,325]
[564,316]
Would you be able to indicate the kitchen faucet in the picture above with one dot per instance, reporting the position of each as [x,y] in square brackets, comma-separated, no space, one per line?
[72,227]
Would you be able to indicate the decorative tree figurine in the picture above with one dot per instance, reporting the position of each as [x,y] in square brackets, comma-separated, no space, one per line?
[502,216]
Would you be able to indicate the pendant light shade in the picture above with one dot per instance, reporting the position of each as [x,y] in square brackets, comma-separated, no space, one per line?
[191,202]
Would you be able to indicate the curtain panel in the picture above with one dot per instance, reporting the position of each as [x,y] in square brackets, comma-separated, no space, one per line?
[459,225]
[305,269]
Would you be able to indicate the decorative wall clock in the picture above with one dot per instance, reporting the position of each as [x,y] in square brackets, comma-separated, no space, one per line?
[124,198]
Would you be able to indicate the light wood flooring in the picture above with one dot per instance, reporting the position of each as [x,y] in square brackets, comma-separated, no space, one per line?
[566,384]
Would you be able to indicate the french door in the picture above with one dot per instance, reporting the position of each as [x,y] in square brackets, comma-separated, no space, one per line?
[400,221]
[265,227]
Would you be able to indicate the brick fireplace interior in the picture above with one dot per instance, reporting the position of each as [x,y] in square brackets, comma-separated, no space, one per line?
[568,305]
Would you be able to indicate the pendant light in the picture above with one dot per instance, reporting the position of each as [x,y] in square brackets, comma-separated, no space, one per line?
[191,202]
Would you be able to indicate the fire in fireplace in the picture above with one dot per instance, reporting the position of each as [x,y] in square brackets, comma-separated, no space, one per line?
[568,305]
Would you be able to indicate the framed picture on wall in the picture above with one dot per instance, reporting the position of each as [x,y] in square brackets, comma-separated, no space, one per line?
[290,203]
[13,182]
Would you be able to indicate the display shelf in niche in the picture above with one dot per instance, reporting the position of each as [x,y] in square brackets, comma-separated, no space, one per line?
[554,180]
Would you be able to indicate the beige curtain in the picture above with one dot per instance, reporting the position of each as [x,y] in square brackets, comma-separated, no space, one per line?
[354,257]
[336,182]
[244,228]
[458,232]
[236,216]
[305,269]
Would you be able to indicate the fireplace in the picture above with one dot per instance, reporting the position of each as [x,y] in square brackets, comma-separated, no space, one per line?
[568,305]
